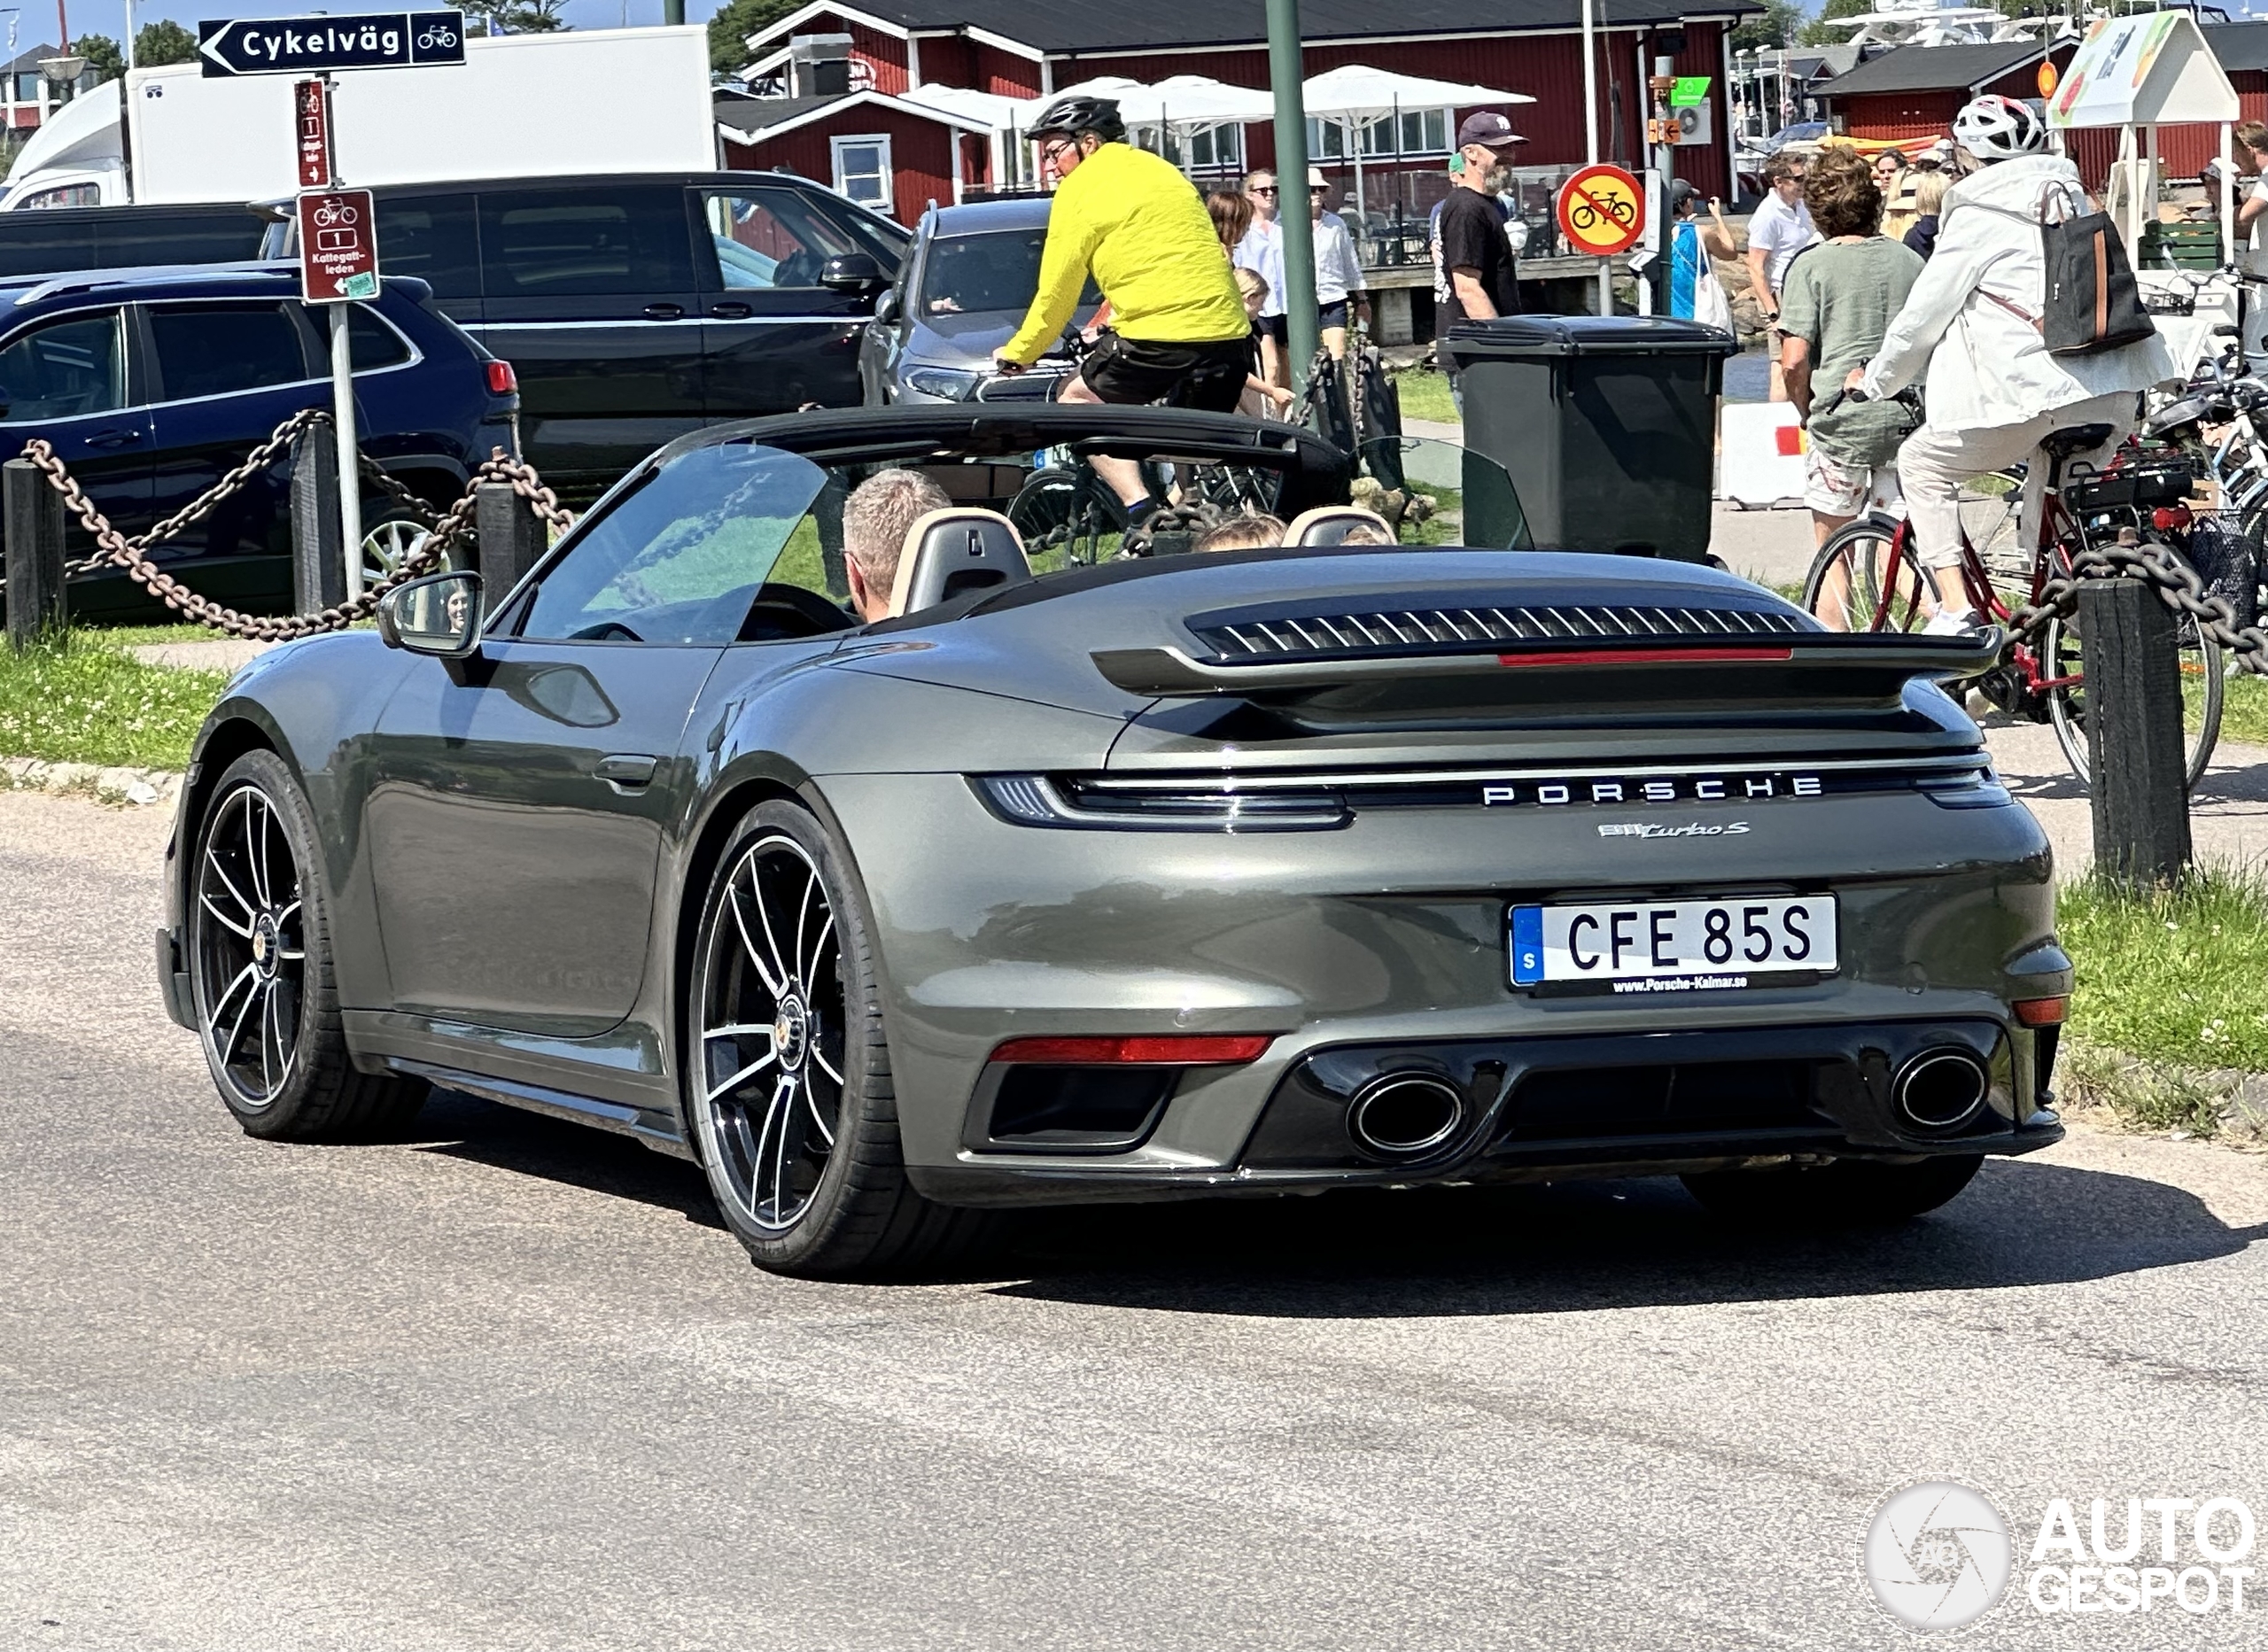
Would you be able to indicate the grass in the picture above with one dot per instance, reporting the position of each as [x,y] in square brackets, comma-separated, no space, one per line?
[2244,709]
[1426,396]
[2179,977]
[81,698]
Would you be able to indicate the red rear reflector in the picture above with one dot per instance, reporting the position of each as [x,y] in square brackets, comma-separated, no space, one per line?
[2040,1011]
[1163,1050]
[502,380]
[1644,656]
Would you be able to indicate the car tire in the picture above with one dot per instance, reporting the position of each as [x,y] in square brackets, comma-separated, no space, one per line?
[1850,1192]
[261,980]
[788,1080]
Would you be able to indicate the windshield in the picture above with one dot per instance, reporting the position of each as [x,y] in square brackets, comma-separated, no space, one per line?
[998,270]
[681,558]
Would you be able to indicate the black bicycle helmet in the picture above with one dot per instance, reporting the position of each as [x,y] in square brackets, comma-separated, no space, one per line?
[1076,114]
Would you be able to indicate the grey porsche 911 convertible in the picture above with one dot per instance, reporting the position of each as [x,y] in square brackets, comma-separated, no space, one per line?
[1155,877]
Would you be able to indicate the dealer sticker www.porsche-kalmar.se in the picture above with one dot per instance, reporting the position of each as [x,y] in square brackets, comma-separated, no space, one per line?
[1674,946]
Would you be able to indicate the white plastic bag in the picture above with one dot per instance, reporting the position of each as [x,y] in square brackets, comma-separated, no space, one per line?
[1709,305]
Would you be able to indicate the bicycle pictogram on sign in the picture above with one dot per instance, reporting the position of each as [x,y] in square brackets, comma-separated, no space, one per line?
[1601,211]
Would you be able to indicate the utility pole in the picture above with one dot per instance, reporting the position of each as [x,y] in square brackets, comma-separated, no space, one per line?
[672,11]
[1287,68]
[1590,137]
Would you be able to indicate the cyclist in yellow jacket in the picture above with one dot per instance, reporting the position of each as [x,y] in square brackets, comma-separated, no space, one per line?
[1178,331]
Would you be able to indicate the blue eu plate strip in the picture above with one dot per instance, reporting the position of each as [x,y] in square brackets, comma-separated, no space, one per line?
[1527,945]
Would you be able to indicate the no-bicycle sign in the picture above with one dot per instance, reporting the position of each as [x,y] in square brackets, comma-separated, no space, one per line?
[1601,211]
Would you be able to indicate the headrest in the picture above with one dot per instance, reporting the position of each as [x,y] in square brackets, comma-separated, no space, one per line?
[952,551]
[1330,524]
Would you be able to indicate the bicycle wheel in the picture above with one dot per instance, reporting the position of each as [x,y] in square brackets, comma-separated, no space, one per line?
[1861,581]
[1061,521]
[2063,666]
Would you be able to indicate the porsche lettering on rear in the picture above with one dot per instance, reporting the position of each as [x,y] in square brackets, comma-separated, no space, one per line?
[1653,788]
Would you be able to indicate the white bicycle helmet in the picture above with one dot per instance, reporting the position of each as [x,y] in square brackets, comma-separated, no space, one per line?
[1993,127]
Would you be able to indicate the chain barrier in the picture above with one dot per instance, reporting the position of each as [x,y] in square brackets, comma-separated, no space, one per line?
[2176,582]
[443,531]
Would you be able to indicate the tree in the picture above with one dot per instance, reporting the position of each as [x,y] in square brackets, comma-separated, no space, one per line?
[164,41]
[102,56]
[735,22]
[1817,34]
[1777,26]
[520,17]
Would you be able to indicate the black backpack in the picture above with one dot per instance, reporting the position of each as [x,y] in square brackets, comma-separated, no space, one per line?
[2092,304]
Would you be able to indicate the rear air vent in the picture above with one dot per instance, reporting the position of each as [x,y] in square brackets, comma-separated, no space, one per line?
[1433,629]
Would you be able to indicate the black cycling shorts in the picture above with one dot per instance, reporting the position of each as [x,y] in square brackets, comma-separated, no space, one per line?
[1134,372]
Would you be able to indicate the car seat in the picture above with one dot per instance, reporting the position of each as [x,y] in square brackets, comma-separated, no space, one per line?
[952,551]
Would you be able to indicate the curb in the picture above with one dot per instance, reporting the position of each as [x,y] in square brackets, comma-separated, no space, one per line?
[119,788]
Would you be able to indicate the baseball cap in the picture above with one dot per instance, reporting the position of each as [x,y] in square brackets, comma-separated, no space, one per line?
[1488,127]
[1680,192]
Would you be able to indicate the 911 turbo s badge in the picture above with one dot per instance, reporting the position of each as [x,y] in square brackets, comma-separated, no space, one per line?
[1648,828]
[1668,789]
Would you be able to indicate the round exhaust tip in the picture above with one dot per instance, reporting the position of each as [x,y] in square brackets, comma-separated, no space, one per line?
[1942,1088]
[1402,1115]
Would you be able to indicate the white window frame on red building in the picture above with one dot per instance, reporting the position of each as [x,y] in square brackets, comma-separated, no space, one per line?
[837,142]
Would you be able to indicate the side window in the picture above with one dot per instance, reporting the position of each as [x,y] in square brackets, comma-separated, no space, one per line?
[767,238]
[681,558]
[862,169]
[220,349]
[542,244]
[64,368]
[372,342]
[434,238]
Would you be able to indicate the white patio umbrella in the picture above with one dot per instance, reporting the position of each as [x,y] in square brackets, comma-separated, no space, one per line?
[1180,104]
[1354,95]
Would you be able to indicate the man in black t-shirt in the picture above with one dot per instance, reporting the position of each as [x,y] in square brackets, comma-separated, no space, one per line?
[1476,255]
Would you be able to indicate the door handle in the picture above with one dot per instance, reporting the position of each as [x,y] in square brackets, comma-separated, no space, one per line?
[626,771]
[113,439]
[731,310]
[663,312]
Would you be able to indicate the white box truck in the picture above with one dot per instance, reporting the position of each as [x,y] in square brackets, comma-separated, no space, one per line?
[573,103]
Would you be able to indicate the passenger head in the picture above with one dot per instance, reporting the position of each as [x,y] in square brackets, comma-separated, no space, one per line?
[1260,189]
[875,519]
[1784,176]
[1252,286]
[1073,127]
[1887,163]
[1843,197]
[1930,194]
[1366,533]
[1232,216]
[1250,531]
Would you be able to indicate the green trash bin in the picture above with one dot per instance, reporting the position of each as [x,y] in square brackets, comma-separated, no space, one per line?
[1606,426]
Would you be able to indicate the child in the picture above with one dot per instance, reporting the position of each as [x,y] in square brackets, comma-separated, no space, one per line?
[1261,398]
[1250,531]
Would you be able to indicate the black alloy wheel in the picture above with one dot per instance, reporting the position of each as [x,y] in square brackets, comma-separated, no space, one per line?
[787,1078]
[259,945]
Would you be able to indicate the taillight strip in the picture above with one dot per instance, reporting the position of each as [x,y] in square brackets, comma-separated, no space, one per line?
[1647,657]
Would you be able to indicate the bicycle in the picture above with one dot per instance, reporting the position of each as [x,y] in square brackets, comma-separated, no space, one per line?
[1867,576]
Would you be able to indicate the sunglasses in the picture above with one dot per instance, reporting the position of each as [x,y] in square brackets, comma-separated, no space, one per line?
[1262,189]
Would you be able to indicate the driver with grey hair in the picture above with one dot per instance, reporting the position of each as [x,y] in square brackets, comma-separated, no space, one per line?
[875,520]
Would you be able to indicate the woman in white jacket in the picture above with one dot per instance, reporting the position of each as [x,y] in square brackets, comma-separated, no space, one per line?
[1993,391]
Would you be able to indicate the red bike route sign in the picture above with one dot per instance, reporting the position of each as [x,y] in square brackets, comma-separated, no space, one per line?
[338,246]
[1601,211]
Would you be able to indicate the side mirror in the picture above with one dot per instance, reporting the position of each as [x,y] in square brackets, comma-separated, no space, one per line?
[851,272]
[437,615]
[886,307]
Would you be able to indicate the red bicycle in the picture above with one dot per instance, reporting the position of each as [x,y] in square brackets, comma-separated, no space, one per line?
[1867,576]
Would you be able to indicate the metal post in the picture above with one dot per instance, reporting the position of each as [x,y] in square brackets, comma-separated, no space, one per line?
[672,11]
[1590,137]
[512,539]
[2138,794]
[342,410]
[1286,68]
[33,513]
[318,568]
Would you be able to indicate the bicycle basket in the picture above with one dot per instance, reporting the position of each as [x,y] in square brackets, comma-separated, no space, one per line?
[2137,485]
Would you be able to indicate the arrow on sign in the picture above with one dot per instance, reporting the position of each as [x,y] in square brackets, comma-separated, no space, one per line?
[313,45]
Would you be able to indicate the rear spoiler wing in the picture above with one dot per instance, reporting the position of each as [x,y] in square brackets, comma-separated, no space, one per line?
[1812,665]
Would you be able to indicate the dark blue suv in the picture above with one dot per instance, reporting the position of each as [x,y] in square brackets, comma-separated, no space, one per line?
[152,384]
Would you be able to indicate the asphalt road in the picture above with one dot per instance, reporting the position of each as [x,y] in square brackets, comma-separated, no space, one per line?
[507,1384]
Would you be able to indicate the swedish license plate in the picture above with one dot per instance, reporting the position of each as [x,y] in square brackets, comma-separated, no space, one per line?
[1674,946]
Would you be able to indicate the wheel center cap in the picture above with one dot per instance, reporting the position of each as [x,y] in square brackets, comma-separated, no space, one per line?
[264,944]
[791,1032]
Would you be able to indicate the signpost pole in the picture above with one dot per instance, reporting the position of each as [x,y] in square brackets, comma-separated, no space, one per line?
[1286,68]
[1590,137]
[350,467]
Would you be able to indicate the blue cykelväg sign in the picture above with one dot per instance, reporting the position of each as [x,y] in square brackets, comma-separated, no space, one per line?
[310,46]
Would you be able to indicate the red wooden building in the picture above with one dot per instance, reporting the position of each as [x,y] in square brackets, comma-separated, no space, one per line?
[881,151]
[1916,90]
[1015,48]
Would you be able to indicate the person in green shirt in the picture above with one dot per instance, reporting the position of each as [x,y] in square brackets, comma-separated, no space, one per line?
[1177,334]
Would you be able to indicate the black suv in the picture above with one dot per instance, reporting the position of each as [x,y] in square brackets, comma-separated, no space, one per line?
[636,309]
[47,240]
